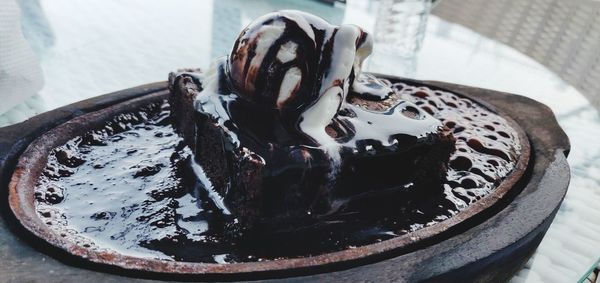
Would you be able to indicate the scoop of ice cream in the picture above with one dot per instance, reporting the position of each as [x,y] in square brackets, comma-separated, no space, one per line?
[290,59]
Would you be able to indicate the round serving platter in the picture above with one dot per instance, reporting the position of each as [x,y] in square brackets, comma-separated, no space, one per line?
[489,240]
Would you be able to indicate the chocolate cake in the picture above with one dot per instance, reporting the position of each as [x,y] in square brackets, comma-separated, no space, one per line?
[288,131]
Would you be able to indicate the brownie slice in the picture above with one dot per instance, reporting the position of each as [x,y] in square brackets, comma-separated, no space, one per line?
[236,172]
[282,186]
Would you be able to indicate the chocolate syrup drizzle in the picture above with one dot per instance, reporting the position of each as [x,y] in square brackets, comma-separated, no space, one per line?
[292,72]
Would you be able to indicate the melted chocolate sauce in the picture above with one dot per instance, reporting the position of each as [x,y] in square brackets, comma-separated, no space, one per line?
[486,147]
[129,187]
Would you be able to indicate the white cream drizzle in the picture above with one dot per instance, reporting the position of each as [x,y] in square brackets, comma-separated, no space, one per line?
[318,116]
[209,100]
[345,58]
[388,123]
[291,82]
[368,84]
[212,193]
[331,95]
[287,52]
[266,36]
[300,18]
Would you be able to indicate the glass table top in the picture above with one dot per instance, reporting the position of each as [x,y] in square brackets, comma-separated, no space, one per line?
[87,48]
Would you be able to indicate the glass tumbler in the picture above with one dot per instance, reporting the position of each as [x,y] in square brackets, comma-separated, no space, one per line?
[398,35]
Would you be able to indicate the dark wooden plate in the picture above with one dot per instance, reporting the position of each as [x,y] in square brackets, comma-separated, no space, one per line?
[487,241]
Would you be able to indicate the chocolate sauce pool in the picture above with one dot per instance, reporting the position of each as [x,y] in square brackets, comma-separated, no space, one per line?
[129,187]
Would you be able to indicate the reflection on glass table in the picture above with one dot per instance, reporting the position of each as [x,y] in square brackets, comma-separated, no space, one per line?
[92,47]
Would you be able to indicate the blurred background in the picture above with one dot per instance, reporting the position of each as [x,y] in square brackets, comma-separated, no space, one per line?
[56,52]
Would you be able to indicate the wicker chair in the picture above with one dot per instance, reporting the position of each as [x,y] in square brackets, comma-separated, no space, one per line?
[563,35]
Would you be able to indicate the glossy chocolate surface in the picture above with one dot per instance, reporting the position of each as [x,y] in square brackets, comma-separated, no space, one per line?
[487,148]
[129,187]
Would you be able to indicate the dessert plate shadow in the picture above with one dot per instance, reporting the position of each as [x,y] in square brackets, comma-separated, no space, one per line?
[488,241]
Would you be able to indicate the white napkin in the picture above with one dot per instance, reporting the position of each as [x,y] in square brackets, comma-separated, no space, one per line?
[20,71]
